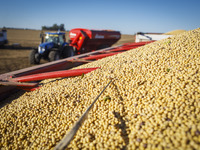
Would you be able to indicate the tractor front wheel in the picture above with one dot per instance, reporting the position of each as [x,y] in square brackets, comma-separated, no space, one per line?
[34,57]
[54,55]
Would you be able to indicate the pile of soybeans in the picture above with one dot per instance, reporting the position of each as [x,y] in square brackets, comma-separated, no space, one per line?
[153,102]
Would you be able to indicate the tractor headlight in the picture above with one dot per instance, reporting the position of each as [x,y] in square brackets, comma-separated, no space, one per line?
[41,50]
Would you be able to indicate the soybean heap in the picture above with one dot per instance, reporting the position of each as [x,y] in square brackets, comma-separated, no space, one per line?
[154,102]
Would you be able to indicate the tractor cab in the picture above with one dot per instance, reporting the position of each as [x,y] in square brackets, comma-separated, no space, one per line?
[56,38]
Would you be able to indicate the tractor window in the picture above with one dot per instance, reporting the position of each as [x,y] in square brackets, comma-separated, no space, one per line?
[61,40]
[52,39]
[55,40]
[49,39]
[1,34]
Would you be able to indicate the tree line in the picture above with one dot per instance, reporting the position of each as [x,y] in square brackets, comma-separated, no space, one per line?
[54,27]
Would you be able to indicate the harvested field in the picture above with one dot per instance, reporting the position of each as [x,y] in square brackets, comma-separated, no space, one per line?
[125,38]
[11,60]
[154,102]
[17,58]
[26,38]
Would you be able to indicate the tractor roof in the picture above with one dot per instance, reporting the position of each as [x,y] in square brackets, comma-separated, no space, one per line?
[53,33]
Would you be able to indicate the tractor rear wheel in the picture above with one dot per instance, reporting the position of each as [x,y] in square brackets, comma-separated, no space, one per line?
[68,51]
[34,57]
[54,55]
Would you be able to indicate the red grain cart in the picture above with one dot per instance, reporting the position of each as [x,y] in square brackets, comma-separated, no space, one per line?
[85,40]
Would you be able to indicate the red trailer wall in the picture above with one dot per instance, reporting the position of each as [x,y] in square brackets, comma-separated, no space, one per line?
[86,40]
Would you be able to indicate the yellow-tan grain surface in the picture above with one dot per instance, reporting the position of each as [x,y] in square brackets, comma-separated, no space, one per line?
[154,102]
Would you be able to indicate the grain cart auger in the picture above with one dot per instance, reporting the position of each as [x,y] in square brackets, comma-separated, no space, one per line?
[52,47]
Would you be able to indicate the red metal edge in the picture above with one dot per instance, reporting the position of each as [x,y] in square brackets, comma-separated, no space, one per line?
[10,83]
[54,74]
[100,56]
[29,89]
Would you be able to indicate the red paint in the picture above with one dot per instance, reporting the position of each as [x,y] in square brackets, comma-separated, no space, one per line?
[29,89]
[99,56]
[85,40]
[55,74]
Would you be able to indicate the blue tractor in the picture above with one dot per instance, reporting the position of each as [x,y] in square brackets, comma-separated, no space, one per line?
[53,47]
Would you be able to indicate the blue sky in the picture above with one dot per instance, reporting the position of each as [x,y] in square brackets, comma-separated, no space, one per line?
[127,16]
